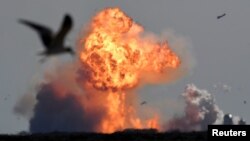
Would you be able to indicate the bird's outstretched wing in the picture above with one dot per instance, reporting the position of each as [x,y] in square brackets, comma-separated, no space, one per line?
[65,28]
[44,32]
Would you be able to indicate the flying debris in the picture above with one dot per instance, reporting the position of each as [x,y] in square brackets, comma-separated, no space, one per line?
[221,16]
[53,42]
[143,102]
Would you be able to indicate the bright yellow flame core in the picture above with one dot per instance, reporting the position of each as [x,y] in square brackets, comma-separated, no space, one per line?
[115,54]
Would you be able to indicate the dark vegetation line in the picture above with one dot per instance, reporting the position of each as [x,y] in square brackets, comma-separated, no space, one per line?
[118,136]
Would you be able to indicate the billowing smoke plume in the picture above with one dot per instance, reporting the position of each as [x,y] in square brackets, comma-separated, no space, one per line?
[60,103]
[200,111]
[95,92]
[54,112]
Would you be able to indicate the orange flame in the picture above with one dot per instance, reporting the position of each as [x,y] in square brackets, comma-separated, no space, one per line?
[114,56]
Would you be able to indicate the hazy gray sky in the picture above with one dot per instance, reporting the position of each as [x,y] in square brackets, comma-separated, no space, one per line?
[221,47]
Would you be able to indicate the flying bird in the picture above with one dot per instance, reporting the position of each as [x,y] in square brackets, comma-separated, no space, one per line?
[53,42]
[220,16]
[245,102]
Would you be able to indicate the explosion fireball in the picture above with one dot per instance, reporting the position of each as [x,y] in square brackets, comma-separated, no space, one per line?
[114,56]
[95,93]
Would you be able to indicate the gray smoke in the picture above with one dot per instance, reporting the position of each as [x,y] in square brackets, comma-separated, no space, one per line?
[200,111]
[24,105]
[60,113]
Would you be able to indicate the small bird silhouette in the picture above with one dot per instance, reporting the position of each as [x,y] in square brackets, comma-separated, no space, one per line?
[224,14]
[53,42]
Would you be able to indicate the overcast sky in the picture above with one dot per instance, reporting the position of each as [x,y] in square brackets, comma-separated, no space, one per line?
[221,47]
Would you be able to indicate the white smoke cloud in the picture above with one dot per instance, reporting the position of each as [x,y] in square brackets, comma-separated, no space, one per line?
[200,111]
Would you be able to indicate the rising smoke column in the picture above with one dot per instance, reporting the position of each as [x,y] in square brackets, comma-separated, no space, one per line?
[200,111]
[95,93]
[60,113]
[60,105]
[117,57]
